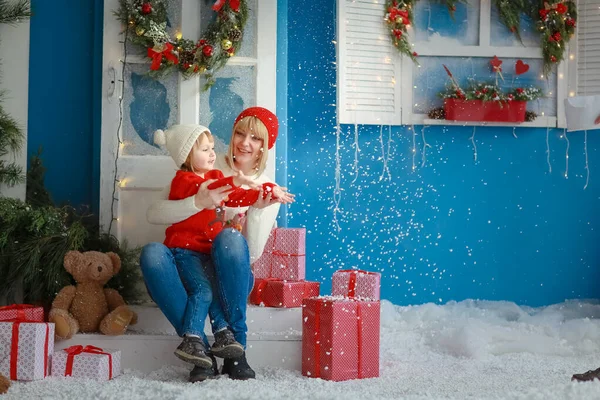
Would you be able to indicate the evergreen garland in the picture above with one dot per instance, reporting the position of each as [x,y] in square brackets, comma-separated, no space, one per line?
[35,238]
[11,136]
[556,22]
[146,24]
[510,14]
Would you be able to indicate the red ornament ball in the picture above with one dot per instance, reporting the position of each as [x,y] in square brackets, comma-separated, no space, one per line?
[207,50]
[552,58]
[146,8]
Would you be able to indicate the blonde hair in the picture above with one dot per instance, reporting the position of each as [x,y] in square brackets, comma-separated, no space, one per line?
[187,165]
[259,130]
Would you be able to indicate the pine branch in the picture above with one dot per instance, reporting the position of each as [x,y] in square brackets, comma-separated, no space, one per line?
[13,12]
[11,137]
[11,174]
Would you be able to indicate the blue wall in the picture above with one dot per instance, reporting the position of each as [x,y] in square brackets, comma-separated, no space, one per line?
[501,229]
[64,77]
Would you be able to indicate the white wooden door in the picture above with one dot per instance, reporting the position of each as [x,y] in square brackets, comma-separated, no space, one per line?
[133,170]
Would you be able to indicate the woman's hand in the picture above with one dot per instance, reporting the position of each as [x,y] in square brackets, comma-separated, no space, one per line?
[282,195]
[242,179]
[208,199]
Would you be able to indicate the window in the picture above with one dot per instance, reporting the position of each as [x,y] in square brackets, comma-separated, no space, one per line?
[378,86]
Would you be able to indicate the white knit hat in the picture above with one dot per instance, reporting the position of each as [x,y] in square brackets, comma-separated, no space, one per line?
[179,140]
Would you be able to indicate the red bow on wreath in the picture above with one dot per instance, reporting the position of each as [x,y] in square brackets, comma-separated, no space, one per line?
[157,56]
[395,12]
[234,4]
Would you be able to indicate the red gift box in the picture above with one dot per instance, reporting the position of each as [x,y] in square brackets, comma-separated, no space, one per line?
[340,338]
[356,283]
[87,362]
[479,110]
[279,293]
[22,312]
[284,255]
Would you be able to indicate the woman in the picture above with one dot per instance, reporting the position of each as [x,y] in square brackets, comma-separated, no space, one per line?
[254,133]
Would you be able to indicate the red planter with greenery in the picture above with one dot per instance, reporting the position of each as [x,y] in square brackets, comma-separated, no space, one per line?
[485,111]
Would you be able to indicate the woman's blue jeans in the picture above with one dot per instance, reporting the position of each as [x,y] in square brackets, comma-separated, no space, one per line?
[232,281]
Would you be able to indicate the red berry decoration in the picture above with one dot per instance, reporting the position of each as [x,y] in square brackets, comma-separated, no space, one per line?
[520,90]
[556,36]
[146,8]
[207,50]
[552,58]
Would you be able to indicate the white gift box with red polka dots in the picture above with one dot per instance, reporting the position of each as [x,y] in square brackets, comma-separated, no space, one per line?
[100,366]
[26,350]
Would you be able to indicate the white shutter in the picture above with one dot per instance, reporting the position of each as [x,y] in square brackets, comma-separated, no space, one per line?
[368,66]
[588,47]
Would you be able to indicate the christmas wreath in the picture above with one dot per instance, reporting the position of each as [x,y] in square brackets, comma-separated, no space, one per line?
[555,21]
[146,27]
[399,16]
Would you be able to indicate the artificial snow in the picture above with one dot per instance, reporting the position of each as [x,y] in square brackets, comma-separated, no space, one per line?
[465,350]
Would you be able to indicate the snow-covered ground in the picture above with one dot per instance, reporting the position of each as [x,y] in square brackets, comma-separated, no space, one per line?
[466,350]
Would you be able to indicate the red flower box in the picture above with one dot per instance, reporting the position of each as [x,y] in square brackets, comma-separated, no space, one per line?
[479,110]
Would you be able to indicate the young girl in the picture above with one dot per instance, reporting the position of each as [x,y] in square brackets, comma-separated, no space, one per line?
[192,148]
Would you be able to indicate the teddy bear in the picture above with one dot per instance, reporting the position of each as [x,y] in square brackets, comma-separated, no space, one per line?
[4,384]
[88,306]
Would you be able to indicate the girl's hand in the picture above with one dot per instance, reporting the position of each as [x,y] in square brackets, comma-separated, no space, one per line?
[264,202]
[282,195]
[209,199]
[242,179]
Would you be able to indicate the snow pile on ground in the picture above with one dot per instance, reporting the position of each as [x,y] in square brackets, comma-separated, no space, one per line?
[465,350]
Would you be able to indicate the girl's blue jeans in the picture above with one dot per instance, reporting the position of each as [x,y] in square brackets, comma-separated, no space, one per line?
[223,285]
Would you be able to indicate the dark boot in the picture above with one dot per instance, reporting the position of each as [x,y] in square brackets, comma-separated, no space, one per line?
[199,374]
[226,346]
[192,350]
[587,376]
[238,368]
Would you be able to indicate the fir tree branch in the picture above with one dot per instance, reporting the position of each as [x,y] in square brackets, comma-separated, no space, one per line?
[12,12]
[11,174]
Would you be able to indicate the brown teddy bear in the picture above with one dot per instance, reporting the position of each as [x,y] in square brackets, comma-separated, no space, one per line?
[88,307]
[4,384]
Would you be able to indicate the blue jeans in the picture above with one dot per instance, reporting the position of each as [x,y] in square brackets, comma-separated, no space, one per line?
[197,274]
[233,281]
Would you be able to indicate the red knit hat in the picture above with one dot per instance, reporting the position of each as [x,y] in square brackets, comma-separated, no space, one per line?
[266,117]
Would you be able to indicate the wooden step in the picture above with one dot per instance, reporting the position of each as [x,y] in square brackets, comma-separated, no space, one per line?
[274,339]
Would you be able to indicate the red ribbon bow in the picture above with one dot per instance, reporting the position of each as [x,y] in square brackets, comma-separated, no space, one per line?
[234,4]
[157,56]
[78,349]
[352,282]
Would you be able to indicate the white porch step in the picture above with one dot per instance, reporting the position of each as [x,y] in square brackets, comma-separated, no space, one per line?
[274,339]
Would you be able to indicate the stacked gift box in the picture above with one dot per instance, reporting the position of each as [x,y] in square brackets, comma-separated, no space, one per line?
[340,333]
[26,342]
[27,350]
[279,273]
